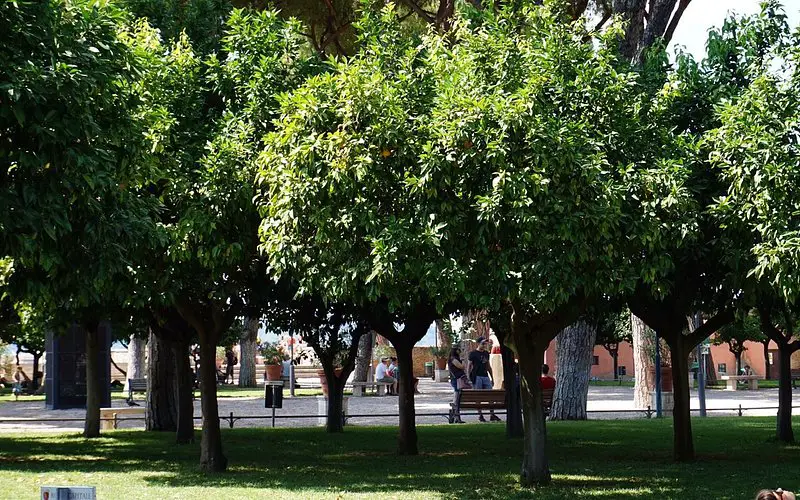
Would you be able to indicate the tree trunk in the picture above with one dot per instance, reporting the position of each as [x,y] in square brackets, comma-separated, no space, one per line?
[683,444]
[211,456]
[738,357]
[784,430]
[136,356]
[184,432]
[91,427]
[162,406]
[711,369]
[407,440]
[767,366]
[247,354]
[442,338]
[574,349]
[364,357]
[514,425]
[35,379]
[335,420]
[642,362]
[535,469]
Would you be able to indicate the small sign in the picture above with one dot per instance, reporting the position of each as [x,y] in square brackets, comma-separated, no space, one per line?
[273,395]
[68,493]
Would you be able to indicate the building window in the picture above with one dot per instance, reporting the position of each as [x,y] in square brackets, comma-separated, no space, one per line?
[622,371]
[722,368]
[595,360]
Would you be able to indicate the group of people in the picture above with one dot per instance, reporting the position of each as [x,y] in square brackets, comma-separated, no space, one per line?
[479,377]
[388,371]
[480,374]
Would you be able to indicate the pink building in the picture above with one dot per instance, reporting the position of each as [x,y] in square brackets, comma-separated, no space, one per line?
[723,359]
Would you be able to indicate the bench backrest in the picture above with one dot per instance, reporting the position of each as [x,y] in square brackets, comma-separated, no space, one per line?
[306,371]
[137,384]
[479,396]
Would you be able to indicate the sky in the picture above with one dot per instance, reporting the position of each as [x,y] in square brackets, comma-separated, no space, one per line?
[703,14]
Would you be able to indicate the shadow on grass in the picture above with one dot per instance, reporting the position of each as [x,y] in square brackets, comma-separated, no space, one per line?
[613,459]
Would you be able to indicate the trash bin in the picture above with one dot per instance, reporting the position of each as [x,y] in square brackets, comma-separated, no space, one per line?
[429,369]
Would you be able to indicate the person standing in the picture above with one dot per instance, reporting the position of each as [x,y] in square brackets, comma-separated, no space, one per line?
[457,378]
[480,372]
[230,362]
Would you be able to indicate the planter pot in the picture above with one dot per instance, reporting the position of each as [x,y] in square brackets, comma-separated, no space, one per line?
[441,363]
[666,377]
[274,372]
[324,381]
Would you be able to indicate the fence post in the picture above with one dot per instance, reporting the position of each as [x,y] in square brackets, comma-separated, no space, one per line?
[231,417]
[740,409]
[649,412]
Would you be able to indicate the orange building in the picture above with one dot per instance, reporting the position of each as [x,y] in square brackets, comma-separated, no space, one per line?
[723,359]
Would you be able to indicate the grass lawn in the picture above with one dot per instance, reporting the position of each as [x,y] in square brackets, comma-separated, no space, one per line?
[598,459]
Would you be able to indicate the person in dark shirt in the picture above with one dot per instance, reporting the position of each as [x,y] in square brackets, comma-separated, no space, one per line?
[230,362]
[480,371]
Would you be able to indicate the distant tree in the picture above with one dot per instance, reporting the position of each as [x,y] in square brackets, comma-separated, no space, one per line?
[746,329]
[614,328]
[28,334]
[334,331]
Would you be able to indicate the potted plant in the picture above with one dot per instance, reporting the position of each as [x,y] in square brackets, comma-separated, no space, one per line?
[440,354]
[273,355]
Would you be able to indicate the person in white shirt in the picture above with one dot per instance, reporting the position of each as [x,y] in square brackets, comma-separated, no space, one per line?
[382,372]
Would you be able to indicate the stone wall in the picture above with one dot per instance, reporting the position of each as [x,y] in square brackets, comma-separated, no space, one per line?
[421,355]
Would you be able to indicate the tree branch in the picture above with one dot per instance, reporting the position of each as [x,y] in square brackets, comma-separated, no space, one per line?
[676,18]
[411,4]
[705,330]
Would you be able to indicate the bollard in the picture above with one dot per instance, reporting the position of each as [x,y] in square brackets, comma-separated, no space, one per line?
[740,409]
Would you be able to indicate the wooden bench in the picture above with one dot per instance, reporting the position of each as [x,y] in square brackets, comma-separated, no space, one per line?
[732,380]
[359,388]
[108,416]
[489,399]
[477,399]
[136,385]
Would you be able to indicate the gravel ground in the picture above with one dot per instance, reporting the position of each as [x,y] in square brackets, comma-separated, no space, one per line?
[607,402]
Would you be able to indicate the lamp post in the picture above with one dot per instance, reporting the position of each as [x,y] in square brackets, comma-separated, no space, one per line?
[702,350]
[613,348]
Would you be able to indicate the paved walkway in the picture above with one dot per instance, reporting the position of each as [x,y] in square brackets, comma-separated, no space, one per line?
[607,402]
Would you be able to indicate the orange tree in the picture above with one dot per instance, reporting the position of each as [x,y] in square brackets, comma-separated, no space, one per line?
[489,165]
